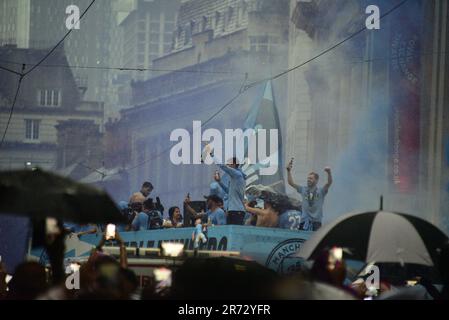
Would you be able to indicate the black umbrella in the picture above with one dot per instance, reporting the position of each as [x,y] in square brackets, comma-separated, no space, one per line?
[380,237]
[223,278]
[39,194]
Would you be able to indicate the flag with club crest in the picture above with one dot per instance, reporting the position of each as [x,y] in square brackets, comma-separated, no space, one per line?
[263,115]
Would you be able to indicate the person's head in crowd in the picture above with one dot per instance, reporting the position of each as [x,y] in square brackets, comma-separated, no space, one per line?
[146,189]
[274,202]
[29,281]
[298,286]
[174,214]
[149,290]
[103,278]
[213,202]
[197,221]
[222,278]
[329,267]
[359,288]
[129,282]
[312,179]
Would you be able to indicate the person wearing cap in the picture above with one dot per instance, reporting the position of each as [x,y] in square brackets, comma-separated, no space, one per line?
[214,214]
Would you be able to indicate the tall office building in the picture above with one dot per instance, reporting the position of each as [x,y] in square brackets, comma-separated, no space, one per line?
[142,31]
[40,24]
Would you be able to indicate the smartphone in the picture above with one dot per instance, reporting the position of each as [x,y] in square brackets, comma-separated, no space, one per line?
[162,274]
[74,267]
[411,283]
[110,231]
[52,227]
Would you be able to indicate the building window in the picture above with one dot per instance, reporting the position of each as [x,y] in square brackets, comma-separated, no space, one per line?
[49,98]
[217,19]
[187,34]
[263,44]
[32,129]
[192,27]
[204,24]
[230,17]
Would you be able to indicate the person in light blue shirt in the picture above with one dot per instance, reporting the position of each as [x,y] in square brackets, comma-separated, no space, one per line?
[215,214]
[290,219]
[140,222]
[142,219]
[312,198]
[236,190]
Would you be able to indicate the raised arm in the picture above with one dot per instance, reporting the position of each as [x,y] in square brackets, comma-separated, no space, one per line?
[329,179]
[234,173]
[217,178]
[256,211]
[289,175]
[90,231]
[123,254]
[189,208]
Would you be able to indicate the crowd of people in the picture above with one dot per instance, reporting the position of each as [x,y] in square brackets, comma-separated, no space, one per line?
[231,202]
[105,277]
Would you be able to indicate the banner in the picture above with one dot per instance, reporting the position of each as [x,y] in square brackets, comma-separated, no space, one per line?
[268,246]
[405,98]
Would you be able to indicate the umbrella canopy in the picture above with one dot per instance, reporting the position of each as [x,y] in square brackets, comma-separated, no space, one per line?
[223,278]
[381,237]
[41,194]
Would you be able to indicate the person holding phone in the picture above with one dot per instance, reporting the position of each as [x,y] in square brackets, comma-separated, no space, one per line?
[312,197]
[236,189]
[215,214]
[111,234]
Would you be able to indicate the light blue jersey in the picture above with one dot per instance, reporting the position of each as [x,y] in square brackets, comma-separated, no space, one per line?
[217,217]
[312,203]
[140,222]
[236,190]
[290,219]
